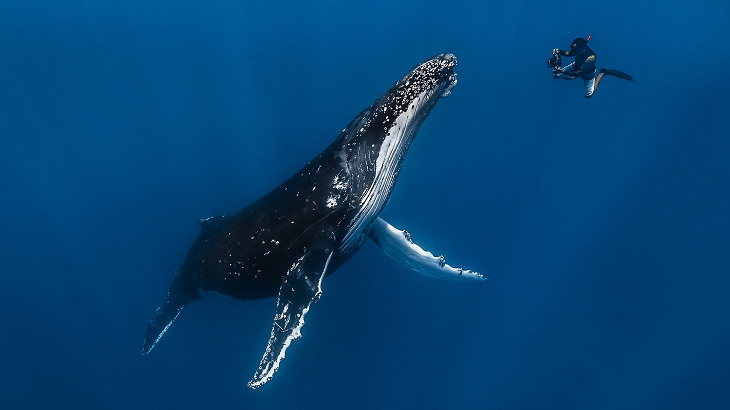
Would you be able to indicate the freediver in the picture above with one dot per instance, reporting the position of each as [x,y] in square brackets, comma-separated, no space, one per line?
[583,66]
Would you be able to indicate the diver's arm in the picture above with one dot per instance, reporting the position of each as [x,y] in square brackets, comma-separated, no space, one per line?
[565,53]
[586,66]
[568,73]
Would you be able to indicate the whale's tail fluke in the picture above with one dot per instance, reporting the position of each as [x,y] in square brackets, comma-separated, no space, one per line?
[158,325]
[178,296]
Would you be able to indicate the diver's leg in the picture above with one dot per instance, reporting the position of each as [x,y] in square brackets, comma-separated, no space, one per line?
[590,86]
[598,80]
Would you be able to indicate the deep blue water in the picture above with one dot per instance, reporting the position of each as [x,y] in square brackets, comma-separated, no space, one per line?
[603,224]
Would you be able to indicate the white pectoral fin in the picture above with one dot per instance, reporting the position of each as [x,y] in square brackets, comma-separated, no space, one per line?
[398,245]
[301,286]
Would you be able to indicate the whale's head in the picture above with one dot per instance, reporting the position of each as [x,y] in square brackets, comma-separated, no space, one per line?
[382,133]
[427,82]
[391,123]
[411,99]
[375,143]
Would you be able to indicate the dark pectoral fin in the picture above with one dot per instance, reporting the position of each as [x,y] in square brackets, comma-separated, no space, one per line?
[301,286]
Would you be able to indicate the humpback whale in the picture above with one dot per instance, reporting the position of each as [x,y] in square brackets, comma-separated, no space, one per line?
[284,244]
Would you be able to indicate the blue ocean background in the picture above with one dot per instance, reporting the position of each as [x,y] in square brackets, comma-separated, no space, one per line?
[603,224]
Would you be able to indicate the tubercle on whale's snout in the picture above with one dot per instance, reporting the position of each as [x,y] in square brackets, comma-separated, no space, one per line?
[446,63]
[437,74]
[450,58]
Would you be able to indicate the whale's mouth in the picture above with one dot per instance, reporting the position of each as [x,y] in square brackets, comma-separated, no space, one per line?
[447,91]
[451,75]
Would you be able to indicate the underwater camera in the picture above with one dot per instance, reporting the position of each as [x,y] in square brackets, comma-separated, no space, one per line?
[555,61]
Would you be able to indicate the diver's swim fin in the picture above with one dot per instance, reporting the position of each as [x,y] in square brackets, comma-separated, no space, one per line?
[617,73]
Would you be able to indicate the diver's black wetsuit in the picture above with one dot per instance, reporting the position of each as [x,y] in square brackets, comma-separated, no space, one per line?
[584,65]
